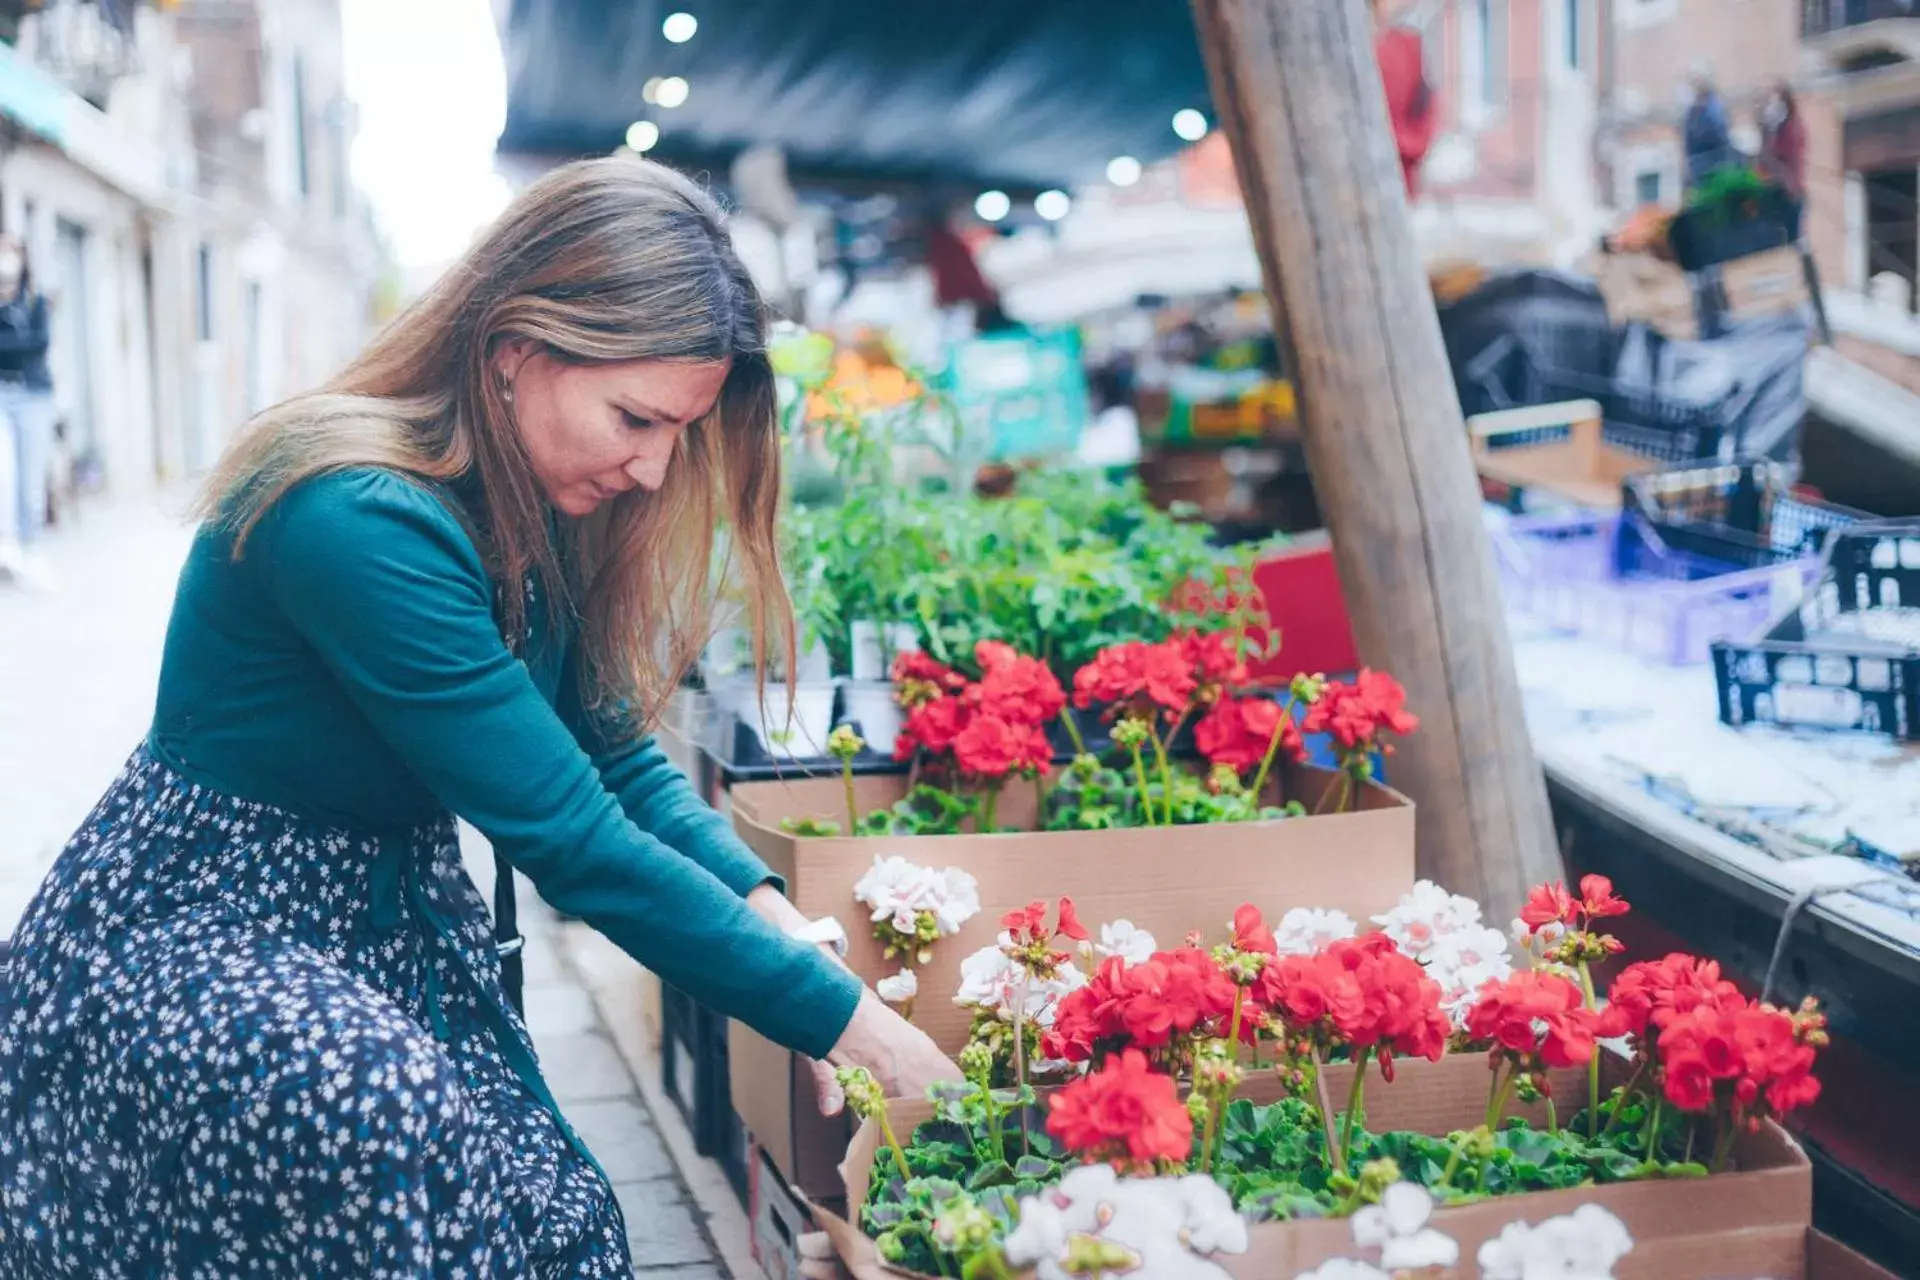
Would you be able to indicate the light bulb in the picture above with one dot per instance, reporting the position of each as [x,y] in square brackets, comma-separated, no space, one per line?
[993,206]
[1123,171]
[1052,205]
[1190,124]
[672,92]
[679,27]
[643,135]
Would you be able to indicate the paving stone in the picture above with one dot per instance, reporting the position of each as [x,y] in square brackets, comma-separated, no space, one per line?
[584,1067]
[661,1228]
[557,1009]
[622,1138]
[682,1273]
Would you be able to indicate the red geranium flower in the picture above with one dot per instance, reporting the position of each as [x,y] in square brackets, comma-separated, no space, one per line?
[1363,993]
[1140,675]
[989,747]
[932,727]
[1172,993]
[1237,731]
[1250,932]
[1070,926]
[1751,1059]
[1016,688]
[1548,904]
[920,679]
[1540,1019]
[1552,904]
[1356,714]
[1087,1020]
[1214,659]
[1126,1112]
[1653,993]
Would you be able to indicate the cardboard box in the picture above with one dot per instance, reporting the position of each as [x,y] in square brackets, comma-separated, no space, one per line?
[1787,1252]
[1167,880]
[1769,1190]
[1765,284]
[1578,466]
[1638,286]
[776,1220]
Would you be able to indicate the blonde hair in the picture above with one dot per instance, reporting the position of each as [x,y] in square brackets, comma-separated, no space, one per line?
[602,260]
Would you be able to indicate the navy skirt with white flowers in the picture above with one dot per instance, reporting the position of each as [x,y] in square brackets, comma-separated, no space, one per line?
[235,1042]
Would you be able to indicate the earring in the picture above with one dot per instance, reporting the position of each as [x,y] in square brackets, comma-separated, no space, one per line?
[506,391]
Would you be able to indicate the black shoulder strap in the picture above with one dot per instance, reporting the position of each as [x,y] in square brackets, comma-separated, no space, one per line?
[506,935]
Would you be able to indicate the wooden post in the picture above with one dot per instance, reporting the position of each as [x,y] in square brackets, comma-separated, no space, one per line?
[1298,91]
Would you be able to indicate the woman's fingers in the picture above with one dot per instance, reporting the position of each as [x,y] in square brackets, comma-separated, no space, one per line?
[827,1090]
[817,1260]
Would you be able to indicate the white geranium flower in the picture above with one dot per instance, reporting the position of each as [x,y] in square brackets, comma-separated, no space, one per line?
[1306,931]
[990,979]
[1464,961]
[1535,944]
[898,989]
[1584,1245]
[1397,1226]
[898,891]
[1169,1226]
[1122,938]
[1424,915]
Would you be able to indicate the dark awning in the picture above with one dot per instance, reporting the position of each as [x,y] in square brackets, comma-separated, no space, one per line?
[1020,94]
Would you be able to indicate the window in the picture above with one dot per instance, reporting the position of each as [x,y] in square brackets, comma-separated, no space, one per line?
[1575,18]
[1646,187]
[206,292]
[1493,51]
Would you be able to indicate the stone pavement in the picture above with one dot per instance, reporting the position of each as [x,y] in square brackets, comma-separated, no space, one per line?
[77,676]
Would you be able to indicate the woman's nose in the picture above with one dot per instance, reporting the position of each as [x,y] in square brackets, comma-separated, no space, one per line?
[649,469]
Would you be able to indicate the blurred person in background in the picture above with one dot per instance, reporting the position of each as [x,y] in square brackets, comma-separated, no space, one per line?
[26,416]
[1783,149]
[1705,131]
[1411,108]
[256,1018]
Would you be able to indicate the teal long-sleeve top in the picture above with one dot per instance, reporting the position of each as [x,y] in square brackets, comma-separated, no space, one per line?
[348,666]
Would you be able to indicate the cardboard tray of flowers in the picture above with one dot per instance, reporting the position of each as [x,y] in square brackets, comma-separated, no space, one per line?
[1361,1111]
[1139,840]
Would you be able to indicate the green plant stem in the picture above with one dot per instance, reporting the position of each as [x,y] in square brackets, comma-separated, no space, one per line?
[1626,1093]
[1553,1117]
[893,1144]
[994,1134]
[1593,1063]
[1458,1154]
[989,801]
[846,778]
[1215,1103]
[1345,791]
[1140,776]
[1496,1109]
[1723,1147]
[1020,1062]
[1326,1111]
[1653,1128]
[1693,1131]
[1273,748]
[1163,755]
[1353,1111]
[1073,731]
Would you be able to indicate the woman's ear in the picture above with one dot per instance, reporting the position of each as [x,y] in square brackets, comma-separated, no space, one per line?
[509,356]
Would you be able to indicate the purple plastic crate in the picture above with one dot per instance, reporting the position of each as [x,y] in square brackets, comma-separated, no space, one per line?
[1560,569]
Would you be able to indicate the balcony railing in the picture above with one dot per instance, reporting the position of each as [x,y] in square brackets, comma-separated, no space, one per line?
[1825,17]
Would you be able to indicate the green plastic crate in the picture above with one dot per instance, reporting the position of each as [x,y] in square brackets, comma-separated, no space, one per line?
[1020,395]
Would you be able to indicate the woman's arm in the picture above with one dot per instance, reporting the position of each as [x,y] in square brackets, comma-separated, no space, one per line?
[656,795]
[382,582]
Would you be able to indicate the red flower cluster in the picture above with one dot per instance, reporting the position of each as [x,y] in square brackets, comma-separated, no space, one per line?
[1356,714]
[1215,660]
[1126,1112]
[1144,678]
[1552,904]
[1538,1019]
[993,727]
[1752,1059]
[1146,1005]
[1237,732]
[1029,941]
[1361,992]
[1655,992]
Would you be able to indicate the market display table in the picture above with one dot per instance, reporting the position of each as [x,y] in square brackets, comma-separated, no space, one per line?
[1769,851]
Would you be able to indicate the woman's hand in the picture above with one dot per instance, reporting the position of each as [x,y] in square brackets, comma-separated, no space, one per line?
[903,1058]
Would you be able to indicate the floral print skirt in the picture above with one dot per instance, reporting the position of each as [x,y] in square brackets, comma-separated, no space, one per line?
[235,1043]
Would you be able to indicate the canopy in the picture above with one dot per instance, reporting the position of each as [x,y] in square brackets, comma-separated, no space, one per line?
[1016,94]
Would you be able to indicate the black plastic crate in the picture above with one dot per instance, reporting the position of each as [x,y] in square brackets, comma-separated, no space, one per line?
[1706,237]
[693,1071]
[1849,657]
[1744,514]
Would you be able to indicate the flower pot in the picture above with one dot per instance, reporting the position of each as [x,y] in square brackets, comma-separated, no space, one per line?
[874,647]
[870,705]
[796,722]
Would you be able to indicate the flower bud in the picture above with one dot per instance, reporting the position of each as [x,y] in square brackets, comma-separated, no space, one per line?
[976,1063]
[1376,1176]
[891,1247]
[864,1094]
[1308,688]
[843,744]
[1131,733]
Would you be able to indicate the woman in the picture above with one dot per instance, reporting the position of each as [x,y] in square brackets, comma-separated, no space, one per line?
[253,1024]
[1783,149]
[1410,105]
[26,414]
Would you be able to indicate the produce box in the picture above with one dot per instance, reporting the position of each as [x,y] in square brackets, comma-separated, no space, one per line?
[1020,395]
[1166,880]
[1243,408]
[1766,284]
[1552,449]
[1788,1252]
[1768,1190]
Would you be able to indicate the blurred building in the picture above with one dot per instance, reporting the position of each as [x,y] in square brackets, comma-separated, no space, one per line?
[179,170]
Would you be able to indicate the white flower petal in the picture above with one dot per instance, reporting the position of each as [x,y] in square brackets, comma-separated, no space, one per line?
[1407,1208]
[898,989]
[1428,1248]
[1371,1227]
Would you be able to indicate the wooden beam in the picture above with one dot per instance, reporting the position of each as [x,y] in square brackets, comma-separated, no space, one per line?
[1298,91]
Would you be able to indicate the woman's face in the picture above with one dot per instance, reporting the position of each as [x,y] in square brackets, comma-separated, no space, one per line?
[596,431]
